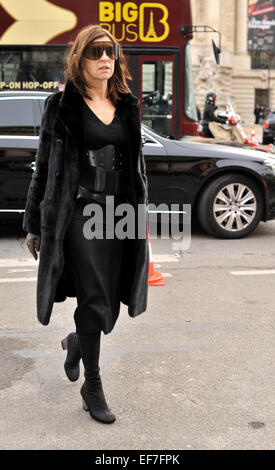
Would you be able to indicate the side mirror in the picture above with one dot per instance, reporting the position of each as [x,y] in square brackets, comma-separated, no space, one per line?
[187,30]
[143,138]
[216,51]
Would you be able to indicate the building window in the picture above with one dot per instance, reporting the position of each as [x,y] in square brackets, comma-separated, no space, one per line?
[262,60]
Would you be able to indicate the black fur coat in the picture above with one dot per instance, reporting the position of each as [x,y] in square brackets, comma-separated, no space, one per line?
[53,190]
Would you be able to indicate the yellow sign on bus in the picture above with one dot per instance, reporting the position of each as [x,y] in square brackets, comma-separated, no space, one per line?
[131,18]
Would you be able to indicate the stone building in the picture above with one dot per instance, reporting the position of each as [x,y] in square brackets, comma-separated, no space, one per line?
[236,78]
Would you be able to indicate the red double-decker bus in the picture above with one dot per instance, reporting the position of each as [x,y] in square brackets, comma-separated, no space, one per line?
[35,34]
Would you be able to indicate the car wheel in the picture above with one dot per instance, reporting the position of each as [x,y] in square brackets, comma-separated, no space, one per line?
[231,206]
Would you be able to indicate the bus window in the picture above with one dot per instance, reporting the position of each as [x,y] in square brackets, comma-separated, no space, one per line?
[189,97]
[32,68]
[157,95]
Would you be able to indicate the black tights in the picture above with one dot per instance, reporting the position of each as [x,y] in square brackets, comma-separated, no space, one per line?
[90,350]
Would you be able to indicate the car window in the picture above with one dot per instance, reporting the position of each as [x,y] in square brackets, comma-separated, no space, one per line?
[16,116]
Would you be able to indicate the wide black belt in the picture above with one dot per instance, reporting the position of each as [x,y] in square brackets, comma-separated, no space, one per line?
[102,172]
[102,181]
[108,157]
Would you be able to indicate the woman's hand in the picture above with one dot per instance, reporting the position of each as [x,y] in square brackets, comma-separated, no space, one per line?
[33,243]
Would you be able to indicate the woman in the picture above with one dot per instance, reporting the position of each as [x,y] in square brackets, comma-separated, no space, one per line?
[89,148]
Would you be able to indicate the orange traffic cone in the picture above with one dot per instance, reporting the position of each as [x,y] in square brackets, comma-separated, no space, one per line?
[154,278]
[253,134]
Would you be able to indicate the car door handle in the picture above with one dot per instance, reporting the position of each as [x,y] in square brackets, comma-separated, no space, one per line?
[32,166]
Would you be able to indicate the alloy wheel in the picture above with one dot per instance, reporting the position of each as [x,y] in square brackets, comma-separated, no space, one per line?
[235,207]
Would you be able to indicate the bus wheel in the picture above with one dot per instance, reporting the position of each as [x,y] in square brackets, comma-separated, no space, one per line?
[231,206]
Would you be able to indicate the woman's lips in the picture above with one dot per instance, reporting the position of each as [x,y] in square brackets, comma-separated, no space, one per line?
[104,68]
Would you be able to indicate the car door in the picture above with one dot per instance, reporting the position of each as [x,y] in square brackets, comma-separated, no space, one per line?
[16,167]
[157,162]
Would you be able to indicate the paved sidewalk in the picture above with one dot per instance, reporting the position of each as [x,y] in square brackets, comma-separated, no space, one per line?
[195,371]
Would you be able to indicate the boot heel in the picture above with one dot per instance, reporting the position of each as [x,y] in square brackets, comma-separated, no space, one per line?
[84,405]
[64,343]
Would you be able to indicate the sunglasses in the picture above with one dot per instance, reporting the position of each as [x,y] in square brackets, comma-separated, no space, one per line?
[94,50]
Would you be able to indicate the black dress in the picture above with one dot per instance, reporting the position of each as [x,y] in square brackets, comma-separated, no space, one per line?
[95,265]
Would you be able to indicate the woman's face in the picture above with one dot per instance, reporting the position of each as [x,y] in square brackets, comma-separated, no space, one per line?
[99,69]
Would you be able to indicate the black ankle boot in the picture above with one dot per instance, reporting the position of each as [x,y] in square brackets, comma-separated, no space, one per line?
[95,402]
[91,391]
[71,364]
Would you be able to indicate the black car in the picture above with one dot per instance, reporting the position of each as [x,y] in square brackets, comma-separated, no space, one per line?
[229,189]
[269,129]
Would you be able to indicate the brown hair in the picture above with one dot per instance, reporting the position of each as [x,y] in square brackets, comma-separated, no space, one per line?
[74,66]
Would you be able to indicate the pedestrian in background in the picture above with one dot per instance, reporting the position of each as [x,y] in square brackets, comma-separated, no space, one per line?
[198,113]
[90,147]
[257,113]
[261,115]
